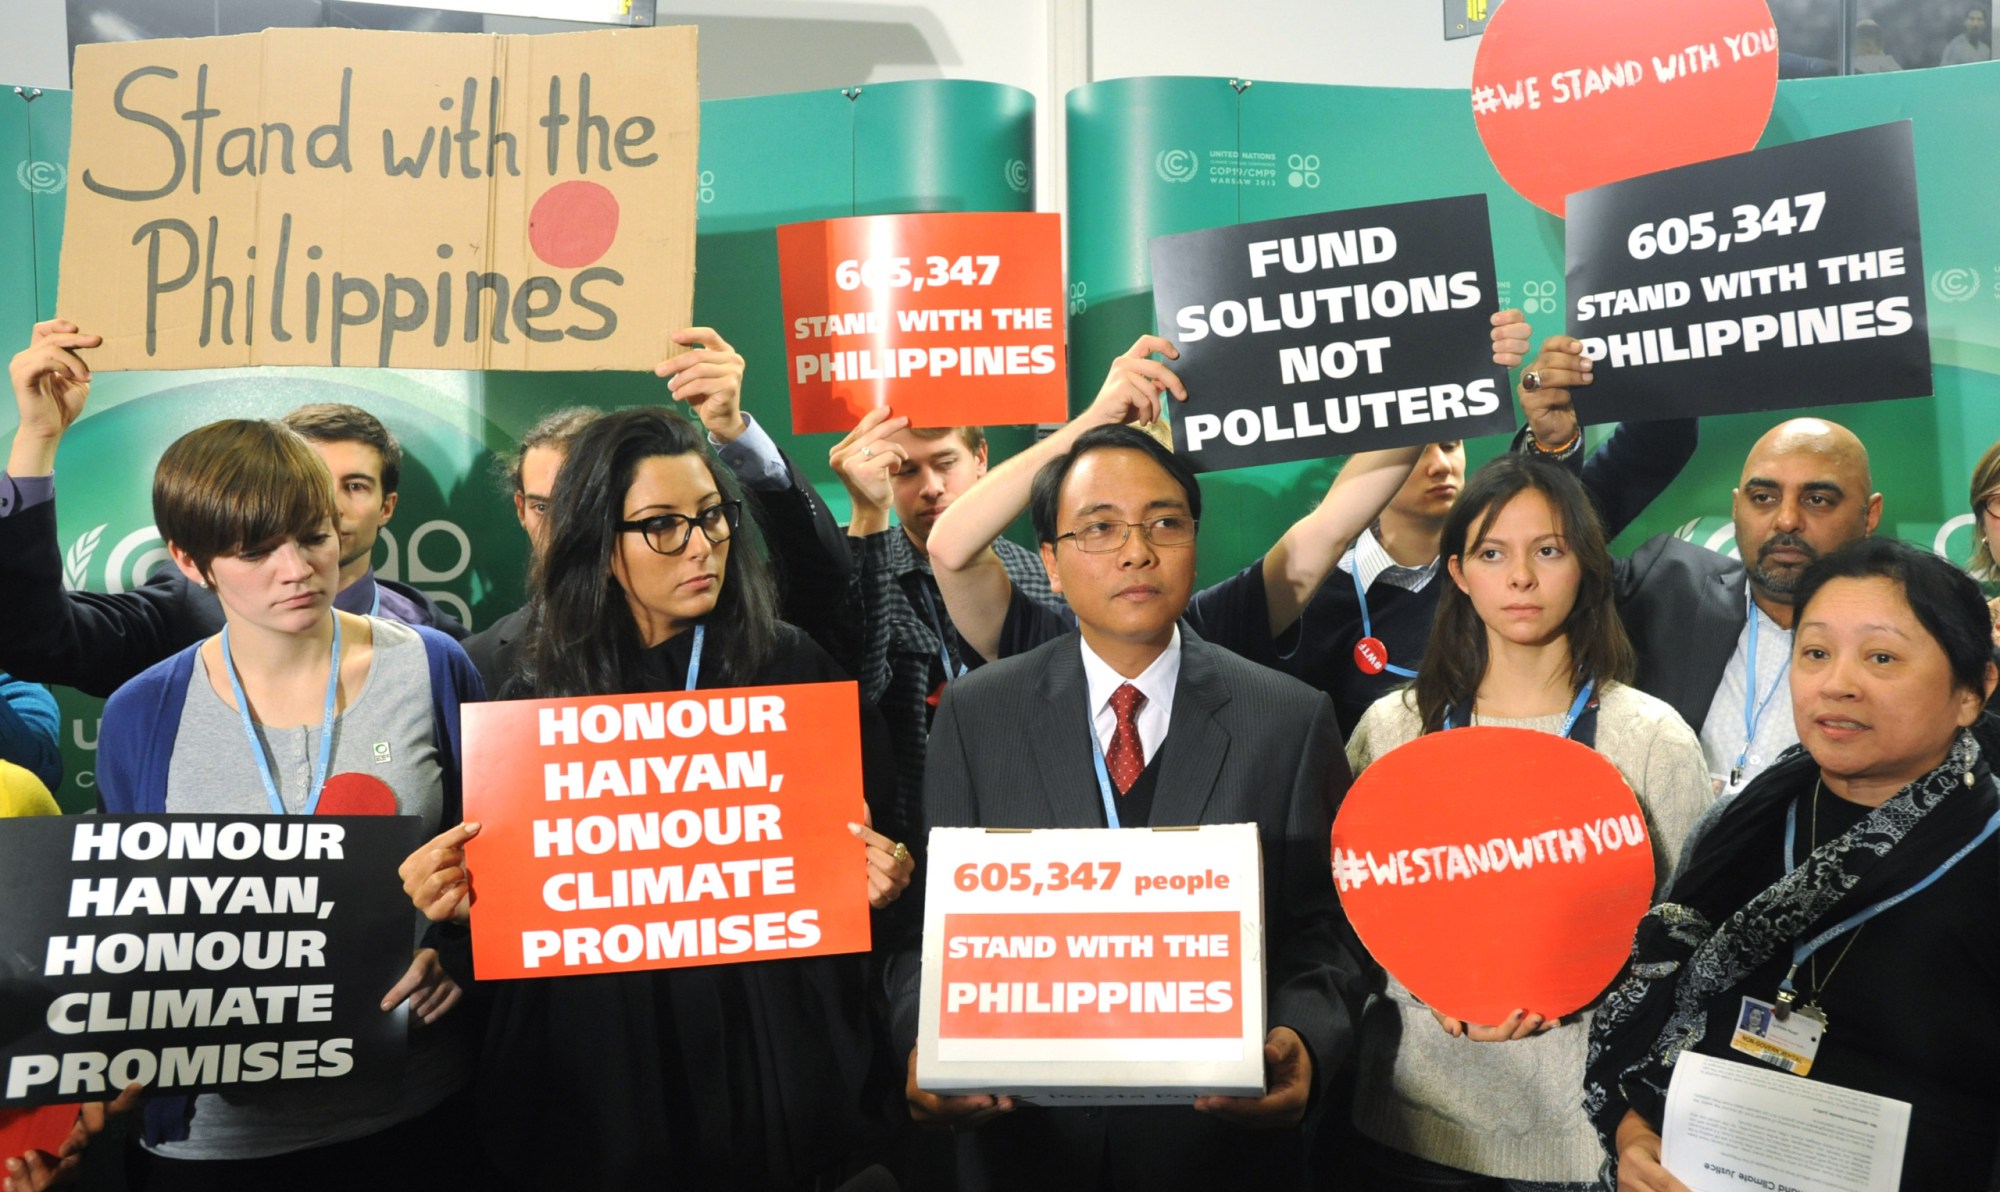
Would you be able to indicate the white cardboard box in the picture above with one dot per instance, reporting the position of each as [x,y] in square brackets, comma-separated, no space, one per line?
[1038,946]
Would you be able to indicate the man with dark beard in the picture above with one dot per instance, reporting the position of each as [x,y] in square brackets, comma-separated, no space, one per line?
[1714,634]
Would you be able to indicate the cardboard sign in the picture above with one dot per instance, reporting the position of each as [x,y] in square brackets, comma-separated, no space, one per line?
[1494,869]
[195,953]
[1093,966]
[950,319]
[353,197]
[1328,334]
[1787,277]
[1568,96]
[621,833]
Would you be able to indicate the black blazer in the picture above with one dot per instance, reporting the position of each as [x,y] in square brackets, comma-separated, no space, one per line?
[1011,747]
[1683,607]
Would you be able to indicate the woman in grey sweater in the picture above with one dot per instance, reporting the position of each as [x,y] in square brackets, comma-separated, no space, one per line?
[1526,637]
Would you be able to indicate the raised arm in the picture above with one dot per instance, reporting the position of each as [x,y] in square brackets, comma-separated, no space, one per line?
[969,574]
[1295,567]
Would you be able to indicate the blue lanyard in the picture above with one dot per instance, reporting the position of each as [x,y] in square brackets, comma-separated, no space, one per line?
[375,605]
[938,627]
[1751,718]
[1103,779]
[1576,707]
[1367,628]
[1803,950]
[320,770]
[694,657]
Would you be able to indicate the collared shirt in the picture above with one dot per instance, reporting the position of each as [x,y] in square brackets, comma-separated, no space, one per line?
[1156,683]
[1376,563]
[1722,732]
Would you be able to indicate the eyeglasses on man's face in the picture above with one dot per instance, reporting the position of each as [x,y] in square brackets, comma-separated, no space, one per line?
[1100,536]
[670,533]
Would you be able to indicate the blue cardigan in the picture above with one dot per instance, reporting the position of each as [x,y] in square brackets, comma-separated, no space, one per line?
[132,776]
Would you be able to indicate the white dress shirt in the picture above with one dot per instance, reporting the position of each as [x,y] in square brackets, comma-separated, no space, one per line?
[1156,683]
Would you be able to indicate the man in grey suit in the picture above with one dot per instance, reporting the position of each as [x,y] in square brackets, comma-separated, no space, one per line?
[1189,734]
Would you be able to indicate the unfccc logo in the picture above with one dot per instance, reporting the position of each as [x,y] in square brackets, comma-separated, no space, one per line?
[1539,296]
[1017,176]
[1177,165]
[1304,169]
[42,177]
[1955,285]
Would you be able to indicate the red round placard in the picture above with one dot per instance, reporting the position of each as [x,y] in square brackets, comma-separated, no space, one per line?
[1568,96]
[1494,869]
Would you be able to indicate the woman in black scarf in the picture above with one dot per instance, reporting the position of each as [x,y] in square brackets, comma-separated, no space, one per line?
[1889,794]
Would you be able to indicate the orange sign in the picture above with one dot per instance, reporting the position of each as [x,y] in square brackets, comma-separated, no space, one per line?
[1494,869]
[1568,96]
[951,319]
[1153,975]
[41,1129]
[665,830]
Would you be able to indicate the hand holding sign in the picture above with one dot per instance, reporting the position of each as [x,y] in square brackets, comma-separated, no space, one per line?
[709,379]
[51,383]
[867,461]
[1288,1071]
[427,987]
[37,1168]
[1545,388]
[1132,388]
[950,1111]
[436,879]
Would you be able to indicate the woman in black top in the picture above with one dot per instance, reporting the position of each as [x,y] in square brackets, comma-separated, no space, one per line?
[767,1074]
[1891,666]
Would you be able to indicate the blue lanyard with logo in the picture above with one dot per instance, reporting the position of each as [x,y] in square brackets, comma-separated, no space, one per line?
[694,656]
[1576,708]
[1103,779]
[943,633]
[1803,950]
[1380,660]
[325,729]
[1752,717]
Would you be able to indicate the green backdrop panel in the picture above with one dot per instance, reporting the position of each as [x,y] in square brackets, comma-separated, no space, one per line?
[926,146]
[34,150]
[1154,156]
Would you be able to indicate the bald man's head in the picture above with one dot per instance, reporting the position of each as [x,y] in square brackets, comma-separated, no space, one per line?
[1806,490]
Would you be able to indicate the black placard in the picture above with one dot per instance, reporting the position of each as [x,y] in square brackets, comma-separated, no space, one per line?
[1327,334]
[253,950]
[1786,277]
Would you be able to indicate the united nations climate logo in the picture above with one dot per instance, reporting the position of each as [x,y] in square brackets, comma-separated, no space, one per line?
[1955,285]
[707,183]
[1079,300]
[1017,175]
[1177,165]
[1304,169]
[1540,297]
[42,177]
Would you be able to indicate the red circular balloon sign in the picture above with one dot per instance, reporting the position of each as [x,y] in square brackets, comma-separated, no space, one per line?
[1568,96]
[1494,869]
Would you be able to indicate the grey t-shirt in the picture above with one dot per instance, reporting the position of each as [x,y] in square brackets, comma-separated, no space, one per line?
[384,762]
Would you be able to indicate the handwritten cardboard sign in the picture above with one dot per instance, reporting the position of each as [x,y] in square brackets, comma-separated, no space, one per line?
[1326,334]
[1790,276]
[1494,869]
[354,197]
[1093,966]
[194,953]
[665,830]
[951,319]
[1568,96]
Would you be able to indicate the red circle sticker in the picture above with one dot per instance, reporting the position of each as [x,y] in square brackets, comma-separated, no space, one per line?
[1371,655]
[1494,869]
[573,224]
[1568,96]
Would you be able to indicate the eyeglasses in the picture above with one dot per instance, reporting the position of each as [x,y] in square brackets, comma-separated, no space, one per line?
[1097,537]
[1988,504]
[670,533]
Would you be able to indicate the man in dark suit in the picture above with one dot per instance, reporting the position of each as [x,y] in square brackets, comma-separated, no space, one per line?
[1190,734]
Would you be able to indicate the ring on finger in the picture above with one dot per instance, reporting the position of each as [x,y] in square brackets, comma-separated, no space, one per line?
[866,452]
[1531,381]
[900,853]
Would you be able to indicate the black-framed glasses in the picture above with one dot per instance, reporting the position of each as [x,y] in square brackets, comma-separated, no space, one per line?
[670,533]
[1097,537]
[1988,504]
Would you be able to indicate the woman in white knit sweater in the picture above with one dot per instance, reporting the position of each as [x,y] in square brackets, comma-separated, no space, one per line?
[1525,628]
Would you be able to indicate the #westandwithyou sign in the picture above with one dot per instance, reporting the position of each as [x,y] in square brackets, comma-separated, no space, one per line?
[620,833]
[1327,334]
[953,319]
[409,200]
[1446,846]
[196,953]
[1787,277]
[1093,966]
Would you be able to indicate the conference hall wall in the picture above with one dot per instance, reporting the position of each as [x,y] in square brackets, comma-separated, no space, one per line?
[1151,156]
[919,146]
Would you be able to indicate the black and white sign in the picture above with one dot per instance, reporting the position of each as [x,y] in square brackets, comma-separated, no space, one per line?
[1329,334]
[193,953]
[1791,276]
